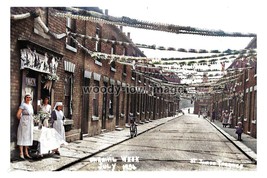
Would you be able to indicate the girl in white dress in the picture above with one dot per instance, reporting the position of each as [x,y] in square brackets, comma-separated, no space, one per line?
[58,118]
[25,128]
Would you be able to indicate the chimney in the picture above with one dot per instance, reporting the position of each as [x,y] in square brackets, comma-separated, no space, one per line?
[106,11]
[128,35]
[121,27]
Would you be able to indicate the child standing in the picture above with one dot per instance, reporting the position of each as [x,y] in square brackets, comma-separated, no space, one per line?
[239,130]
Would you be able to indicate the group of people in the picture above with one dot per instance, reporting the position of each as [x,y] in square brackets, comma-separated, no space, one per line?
[227,119]
[25,129]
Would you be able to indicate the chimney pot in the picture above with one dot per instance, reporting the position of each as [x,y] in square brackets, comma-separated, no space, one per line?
[128,35]
[106,11]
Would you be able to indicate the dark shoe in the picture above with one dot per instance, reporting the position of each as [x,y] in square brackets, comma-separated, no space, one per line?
[21,157]
[28,156]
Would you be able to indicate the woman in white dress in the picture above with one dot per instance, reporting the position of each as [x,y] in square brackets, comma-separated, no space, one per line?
[25,128]
[46,108]
[57,118]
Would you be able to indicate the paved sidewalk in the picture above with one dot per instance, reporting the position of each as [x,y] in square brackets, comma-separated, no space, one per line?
[82,149]
[248,145]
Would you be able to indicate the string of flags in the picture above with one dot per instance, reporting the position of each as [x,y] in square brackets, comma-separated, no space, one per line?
[81,14]
[124,43]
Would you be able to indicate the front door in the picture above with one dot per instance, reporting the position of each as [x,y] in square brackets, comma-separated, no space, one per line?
[85,108]
[104,108]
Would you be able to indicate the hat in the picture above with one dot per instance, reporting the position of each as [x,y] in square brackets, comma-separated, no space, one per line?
[27,94]
[58,104]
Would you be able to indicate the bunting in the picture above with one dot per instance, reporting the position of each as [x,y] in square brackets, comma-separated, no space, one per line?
[81,14]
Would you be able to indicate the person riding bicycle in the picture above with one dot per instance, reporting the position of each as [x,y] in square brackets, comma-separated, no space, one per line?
[133,125]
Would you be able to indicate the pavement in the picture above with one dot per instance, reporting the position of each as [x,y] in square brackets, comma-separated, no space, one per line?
[248,145]
[80,150]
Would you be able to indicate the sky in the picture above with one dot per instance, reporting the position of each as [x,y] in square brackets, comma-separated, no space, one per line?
[226,15]
[245,16]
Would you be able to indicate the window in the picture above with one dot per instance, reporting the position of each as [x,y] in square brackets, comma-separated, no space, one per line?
[139,78]
[98,43]
[124,70]
[247,74]
[113,49]
[124,52]
[113,46]
[113,66]
[71,26]
[96,100]
[133,75]
[68,88]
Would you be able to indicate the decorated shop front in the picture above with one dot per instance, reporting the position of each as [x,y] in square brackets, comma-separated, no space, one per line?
[38,72]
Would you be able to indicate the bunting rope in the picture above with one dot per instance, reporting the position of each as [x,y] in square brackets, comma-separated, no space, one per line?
[105,56]
[85,15]
[233,53]
[228,51]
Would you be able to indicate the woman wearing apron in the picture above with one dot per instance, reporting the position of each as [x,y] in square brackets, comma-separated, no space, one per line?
[25,128]
[58,118]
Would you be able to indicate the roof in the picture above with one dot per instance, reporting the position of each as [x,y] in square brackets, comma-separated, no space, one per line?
[252,44]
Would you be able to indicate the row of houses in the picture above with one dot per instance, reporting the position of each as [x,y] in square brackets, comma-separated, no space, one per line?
[98,94]
[237,92]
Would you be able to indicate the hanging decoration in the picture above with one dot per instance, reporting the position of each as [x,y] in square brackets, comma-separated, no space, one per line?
[85,15]
[232,54]
[45,64]
[228,51]
[104,56]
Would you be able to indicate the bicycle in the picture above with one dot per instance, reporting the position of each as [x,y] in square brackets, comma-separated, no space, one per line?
[133,126]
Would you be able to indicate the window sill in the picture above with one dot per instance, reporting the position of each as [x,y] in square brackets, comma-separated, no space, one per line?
[137,113]
[95,118]
[122,115]
[71,48]
[124,74]
[253,122]
[98,63]
[110,116]
[113,69]
[133,78]
[68,122]
[255,75]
